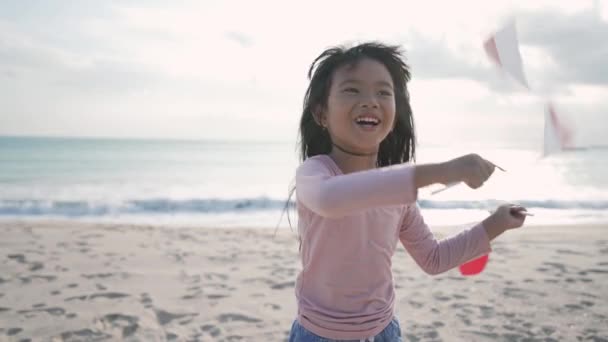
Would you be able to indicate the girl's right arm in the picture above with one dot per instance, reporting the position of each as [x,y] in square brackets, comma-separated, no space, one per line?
[335,196]
[471,169]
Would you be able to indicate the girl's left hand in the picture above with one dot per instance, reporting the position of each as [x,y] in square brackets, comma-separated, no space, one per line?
[508,216]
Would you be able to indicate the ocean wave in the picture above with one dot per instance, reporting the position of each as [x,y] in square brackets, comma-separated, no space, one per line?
[541,204]
[146,206]
[35,207]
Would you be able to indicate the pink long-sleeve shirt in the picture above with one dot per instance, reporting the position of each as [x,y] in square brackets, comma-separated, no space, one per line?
[349,226]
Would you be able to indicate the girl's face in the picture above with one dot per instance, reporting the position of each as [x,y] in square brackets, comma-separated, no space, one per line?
[361,106]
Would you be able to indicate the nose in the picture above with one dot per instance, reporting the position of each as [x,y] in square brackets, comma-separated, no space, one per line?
[369,101]
[369,105]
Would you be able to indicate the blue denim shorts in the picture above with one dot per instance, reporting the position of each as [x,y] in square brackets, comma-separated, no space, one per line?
[392,333]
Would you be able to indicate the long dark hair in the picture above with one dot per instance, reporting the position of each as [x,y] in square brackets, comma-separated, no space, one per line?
[400,144]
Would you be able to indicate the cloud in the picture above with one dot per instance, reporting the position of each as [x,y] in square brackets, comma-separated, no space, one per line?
[559,48]
[26,58]
[239,37]
[575,42]
[433,59]
[198,68]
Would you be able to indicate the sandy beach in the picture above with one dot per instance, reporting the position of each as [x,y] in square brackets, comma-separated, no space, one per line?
[67,281]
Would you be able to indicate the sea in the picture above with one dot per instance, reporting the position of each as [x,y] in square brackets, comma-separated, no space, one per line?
[246,183]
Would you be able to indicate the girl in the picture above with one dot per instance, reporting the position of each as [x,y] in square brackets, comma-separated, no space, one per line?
[356,197]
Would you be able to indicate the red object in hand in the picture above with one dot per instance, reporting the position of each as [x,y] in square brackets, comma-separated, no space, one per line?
[474,266]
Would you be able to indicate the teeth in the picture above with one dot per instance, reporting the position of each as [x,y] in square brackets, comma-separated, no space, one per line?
[367,120]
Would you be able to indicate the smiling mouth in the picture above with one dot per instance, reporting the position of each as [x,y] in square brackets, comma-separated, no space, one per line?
[367,121]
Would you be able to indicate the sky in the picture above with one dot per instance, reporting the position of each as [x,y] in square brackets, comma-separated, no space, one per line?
[236,70]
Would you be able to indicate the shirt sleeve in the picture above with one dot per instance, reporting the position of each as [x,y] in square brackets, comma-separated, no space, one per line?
[437,256]
[332,195]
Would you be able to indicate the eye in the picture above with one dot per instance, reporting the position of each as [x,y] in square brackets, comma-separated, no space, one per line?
[351,90]
[385,93]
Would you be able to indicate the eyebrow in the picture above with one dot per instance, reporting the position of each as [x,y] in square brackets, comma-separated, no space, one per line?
[382,83]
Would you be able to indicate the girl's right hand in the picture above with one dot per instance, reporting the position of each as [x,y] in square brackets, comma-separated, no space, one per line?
[471,169]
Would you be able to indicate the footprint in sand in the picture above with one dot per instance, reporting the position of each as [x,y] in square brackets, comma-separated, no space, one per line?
[569,252]
[216,296]
[36,266]
[122,275]
[128,324]
[415,304]
[272,306]
[258,280]
[486,311]
[573,307]
[20,258]
[236,317]
[145,300]
[280,286]
[548,330]
[195,292]
[587,303]
[171,336]
[421,332]
[556,265]
[107,295]
[215,276]
[593,270]
[486,335]
[61,268]
[285,272]
[13,331]
[512,337]
[165,317]
[211,330]
[189,279]
[53,311]
[441,297]
[27,280]
[518,293]
[216,286]
[83,335]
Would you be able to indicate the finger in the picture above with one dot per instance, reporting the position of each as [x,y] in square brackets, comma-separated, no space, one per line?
[483,174]
[518,209]
[496,166]
[519,221]
[489,168]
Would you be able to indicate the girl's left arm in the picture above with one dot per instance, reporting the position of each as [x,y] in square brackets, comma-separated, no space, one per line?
[437,256]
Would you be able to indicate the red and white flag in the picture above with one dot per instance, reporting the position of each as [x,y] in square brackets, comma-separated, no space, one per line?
[558,136]
[502,48]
